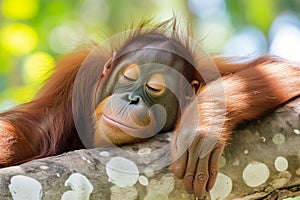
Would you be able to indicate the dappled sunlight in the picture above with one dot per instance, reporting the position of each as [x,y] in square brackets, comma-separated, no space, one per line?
[18,38]
[248,43]
[285,37]
[65,38]
[19,9]
[37,68]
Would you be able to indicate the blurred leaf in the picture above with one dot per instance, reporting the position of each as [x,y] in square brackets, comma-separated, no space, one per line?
[37,68]
[57,7]
[18,38]
[19,94]
[19,9]
[260,13]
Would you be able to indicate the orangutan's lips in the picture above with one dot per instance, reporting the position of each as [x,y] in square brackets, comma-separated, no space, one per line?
[116,123]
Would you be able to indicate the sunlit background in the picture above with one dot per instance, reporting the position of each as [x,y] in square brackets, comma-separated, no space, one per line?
[36,33]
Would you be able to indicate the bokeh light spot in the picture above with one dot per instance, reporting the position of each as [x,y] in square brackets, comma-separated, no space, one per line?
[37,67]
[248,43]
[19,9]
[65,38]
[285,37]
[89,11]
[18,38]
[203,8]
[13,96]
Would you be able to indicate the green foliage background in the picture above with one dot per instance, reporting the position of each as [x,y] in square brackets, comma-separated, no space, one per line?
[35,33]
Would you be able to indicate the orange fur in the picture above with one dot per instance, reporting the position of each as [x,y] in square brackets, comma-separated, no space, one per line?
[252,91]
[45,126]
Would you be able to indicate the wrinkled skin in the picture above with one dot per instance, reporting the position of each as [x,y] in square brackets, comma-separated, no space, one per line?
[145,98]
[196,150]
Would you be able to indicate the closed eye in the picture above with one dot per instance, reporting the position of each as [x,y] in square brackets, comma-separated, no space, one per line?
[131,72]
[155,88]
[128,78]
[156,84]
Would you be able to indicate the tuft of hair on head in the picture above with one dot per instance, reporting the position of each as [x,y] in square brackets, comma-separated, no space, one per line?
[171,29]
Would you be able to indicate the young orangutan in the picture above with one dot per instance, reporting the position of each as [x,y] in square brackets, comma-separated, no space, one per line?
[151,83]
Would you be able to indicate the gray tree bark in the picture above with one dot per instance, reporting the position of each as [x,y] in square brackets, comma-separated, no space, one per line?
[261,162]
